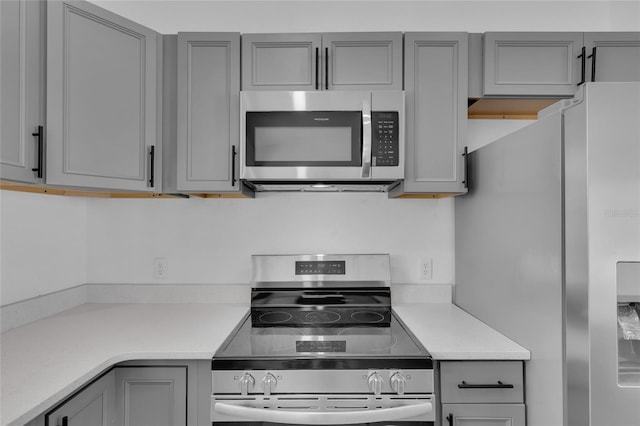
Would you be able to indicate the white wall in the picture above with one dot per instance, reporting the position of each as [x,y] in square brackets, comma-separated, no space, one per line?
[211,240]
[169,17]
[43,244]
[50,243]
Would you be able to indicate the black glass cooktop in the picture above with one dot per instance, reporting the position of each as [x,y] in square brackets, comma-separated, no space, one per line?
[348,346]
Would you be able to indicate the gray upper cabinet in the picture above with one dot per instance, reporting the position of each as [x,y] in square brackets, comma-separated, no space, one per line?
[102,111]
[281,61]
[436,110]
[22,88]
[356,61]
[93,405]
[531,64]
[330,61]
[612,56]
[208,112]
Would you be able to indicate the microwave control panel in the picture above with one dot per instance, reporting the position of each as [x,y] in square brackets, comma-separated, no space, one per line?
[384,138]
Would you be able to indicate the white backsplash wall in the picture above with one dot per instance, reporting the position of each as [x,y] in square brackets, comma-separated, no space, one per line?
[43,244]
[211,240]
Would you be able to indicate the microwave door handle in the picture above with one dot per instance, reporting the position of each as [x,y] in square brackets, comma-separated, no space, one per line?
[324,417]
[366,139]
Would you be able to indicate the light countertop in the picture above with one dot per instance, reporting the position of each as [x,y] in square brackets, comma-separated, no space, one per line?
[449,333]
[44,361]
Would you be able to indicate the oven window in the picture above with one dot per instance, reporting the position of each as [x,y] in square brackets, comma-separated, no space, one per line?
[304,138]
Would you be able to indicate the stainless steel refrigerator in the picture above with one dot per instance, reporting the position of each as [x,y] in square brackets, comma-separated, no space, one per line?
[548,252]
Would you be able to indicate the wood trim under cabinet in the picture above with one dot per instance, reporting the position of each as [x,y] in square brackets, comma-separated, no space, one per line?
[516,109]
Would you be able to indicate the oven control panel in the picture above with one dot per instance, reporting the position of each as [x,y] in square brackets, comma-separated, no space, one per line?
[378,382]
[320,267]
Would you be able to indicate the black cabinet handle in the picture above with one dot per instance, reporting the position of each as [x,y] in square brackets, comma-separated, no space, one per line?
[583,56]
[39,134]
[465,155]
[317,68]
[233,165]
[499,385]
[326,68]
[65,421]
[450,419]
[152,163]
[593,64]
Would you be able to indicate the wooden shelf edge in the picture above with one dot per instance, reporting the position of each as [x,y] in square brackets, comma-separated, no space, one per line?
[511,109]
[71,192]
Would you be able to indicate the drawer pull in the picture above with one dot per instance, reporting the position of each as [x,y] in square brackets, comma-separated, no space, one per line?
[499,385]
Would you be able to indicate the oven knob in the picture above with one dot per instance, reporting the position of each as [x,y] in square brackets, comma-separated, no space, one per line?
[246,383]
[375,383]
[398,383]
[269,383]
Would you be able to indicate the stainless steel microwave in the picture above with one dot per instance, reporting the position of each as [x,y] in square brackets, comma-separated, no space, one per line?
[330,140]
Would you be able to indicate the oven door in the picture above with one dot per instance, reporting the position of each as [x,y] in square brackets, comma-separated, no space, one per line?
[314,136]
[313,409]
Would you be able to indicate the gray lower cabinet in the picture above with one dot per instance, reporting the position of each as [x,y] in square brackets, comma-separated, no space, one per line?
[436,113]
[612,56]
[482,393]
[93,405]
[22,87]
[531,63]
[139,393]
[102,99]
[329,61]
[208,112]
[483,414]
[151,396]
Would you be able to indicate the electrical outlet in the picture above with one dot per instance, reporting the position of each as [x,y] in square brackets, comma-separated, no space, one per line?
[426,269]
[160,266]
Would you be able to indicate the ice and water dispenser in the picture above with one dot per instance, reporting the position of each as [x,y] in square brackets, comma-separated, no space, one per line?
[628,291]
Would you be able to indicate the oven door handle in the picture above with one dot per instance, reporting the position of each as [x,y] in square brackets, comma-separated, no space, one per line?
[324,418]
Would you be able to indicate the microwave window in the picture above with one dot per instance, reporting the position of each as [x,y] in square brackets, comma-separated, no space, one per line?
[304,138]
[302,144]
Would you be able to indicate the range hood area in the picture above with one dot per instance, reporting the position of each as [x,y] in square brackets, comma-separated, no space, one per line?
[302,186]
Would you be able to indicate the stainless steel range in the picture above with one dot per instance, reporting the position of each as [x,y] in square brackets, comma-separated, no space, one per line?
[322,346]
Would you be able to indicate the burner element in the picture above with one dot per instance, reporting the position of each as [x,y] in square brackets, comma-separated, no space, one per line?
[367,317]
[322,317]
[275,317]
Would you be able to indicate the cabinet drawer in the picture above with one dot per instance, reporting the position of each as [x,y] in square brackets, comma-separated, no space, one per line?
[483,415]
[482,381]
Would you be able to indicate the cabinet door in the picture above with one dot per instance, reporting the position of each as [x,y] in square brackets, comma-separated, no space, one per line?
[436,95]
[483,415]
[613,56]
[362,61]
[208,111]
[531,64]
[151,396]
[101,99]
[280,61]
[91,406]
[21,80]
